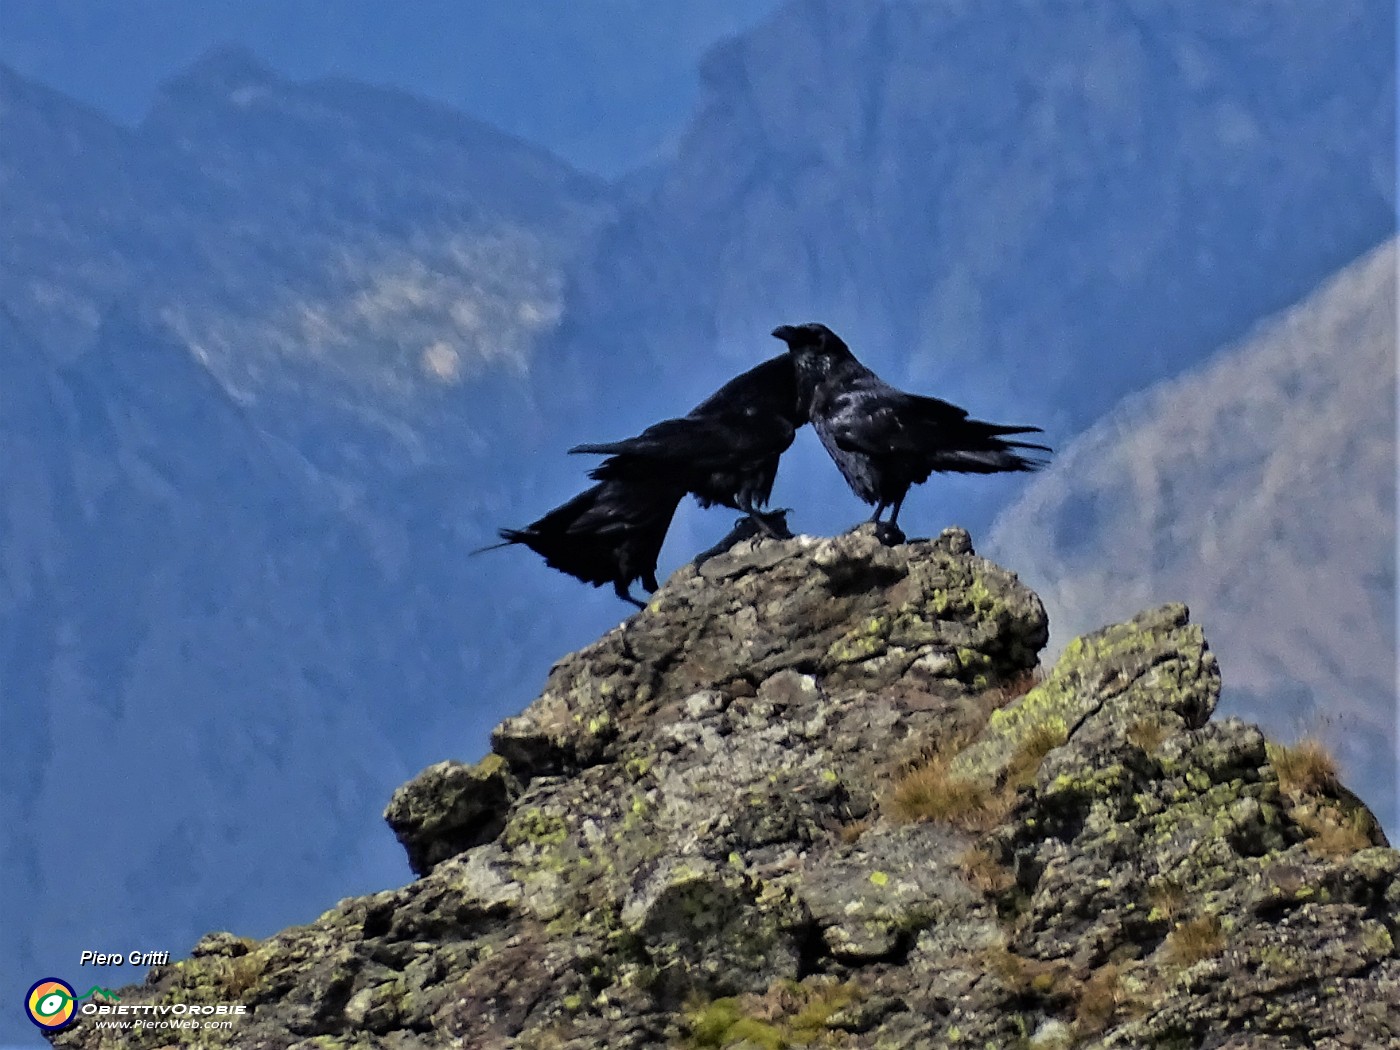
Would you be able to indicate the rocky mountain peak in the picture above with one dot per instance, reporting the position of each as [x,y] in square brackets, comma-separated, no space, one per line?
[819,793]
[221,73]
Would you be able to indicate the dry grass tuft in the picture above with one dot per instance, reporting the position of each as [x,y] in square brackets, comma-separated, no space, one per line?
[1094,1001]
[1047,981]
[853,830]
[928,790]
[1194,940]
[1023,683]
[1014,971]
[1147,735]
[932,792]
[985,873]
[1041,739]
[1337,824]
[1166,898]
[1341,838]
[1304,768]
[1099,999]
[243,973]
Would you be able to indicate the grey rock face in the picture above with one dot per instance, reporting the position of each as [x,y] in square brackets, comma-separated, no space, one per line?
[716,827]
[448,808]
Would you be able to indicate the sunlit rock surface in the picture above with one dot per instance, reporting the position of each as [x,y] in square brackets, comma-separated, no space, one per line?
[817,793]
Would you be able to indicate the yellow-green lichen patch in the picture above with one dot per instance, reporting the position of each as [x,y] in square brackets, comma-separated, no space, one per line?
[789,1014]
[535,827]
[638,766]
[862,643]
[1155,664]
[1050,704]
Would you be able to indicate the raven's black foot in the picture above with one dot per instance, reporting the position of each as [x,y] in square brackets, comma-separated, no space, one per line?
[773,524]
[744,529]
[889,534]
[625,593]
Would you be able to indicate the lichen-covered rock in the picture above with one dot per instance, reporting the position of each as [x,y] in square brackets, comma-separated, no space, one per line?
[1155,670]
[872,898]
[702,835]
[450,807]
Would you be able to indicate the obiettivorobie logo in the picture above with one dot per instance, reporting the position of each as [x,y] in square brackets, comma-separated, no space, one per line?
[52,1004]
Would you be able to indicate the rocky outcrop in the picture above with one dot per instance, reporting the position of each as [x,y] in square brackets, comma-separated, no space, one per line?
[1260,489]
[818,794]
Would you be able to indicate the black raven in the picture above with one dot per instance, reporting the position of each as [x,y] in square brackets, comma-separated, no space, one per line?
[610,533]
[725,450]
[882,439]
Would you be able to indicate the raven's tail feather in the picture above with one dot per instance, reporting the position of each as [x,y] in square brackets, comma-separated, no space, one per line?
[988,461]
[508,537]
[992,434]
[1029,445]
[608,449]
[1002,429]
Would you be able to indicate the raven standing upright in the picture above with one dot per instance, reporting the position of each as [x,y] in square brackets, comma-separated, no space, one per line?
[725,450]
[884,440]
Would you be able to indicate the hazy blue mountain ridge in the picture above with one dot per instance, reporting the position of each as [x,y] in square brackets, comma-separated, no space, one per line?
[1036,208]
[242,475]
[601,84]
[187,621]
[375,241]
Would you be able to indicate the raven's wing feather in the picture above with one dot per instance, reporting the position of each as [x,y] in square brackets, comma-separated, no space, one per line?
[702,442]
[898,423]
[882,420]
[931,409]
[752,415]
[622,509]
[770,387]
[864,420]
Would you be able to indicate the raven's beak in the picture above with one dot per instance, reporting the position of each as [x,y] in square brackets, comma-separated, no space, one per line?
[785,332]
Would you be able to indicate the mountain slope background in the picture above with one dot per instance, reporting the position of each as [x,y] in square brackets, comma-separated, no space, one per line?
[237,344]
[279,356]
[1261,490]
[1037,208]
[630,63]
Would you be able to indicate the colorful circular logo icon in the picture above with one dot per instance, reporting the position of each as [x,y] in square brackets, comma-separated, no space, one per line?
[51,1004]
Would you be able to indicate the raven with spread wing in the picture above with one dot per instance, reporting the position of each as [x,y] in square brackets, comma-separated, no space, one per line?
[724,451]
[610,533]
[884,440]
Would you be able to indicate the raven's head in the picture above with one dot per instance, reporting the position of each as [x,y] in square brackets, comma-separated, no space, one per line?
[815,350]
[814,344]
[810,336]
